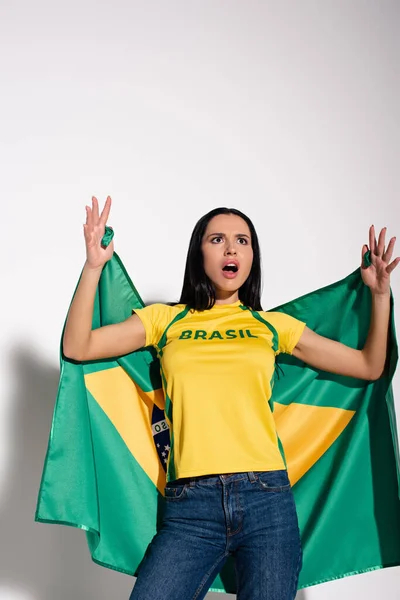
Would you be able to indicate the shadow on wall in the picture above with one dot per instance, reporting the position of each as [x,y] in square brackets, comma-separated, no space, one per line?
[45,561]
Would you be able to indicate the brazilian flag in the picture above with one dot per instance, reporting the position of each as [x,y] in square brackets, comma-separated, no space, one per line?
[104,471]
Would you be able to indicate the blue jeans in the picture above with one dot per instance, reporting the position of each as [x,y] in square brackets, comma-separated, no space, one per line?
[250,515]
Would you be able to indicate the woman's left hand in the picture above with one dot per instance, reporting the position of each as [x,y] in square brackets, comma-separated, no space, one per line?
[377,275]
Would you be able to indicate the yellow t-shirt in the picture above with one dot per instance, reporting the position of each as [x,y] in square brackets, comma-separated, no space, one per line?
[217,368]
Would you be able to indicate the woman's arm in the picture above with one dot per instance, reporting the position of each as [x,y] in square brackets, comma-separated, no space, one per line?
[328,355]
[80,342]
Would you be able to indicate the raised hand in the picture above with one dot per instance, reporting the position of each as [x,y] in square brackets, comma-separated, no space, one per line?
[377,275]
[94,228]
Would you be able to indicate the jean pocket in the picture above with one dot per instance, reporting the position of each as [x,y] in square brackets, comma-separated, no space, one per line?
[274,481]
[175,491]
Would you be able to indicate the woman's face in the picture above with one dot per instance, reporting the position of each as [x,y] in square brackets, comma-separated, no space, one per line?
[227,240]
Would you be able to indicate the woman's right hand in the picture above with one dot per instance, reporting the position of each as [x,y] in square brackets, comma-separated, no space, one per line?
[94,228]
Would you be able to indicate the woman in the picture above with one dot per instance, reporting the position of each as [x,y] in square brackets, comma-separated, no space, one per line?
[227,491]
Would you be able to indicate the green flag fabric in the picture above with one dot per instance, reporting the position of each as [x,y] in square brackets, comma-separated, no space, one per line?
[104,471]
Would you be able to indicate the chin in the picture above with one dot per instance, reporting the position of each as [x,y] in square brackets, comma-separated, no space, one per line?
[233,287]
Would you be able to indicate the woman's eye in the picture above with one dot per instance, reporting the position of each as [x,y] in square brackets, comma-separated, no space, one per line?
[220,238]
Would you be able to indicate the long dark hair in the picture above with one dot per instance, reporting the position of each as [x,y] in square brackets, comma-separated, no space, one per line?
[198,291]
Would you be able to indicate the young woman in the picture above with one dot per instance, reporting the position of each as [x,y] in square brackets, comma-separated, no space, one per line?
[227,490]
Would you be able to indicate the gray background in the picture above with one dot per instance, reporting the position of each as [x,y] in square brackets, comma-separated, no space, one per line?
[285,110]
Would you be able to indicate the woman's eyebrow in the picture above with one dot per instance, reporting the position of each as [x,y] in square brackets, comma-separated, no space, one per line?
[222,234]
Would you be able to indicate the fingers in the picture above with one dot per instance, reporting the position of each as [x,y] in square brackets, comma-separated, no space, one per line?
[372,240]
[106,211]
[389,250]
[378,248]
[89,218]
[381,242]
[87,227]
[95,209]
[364,250]
[393,265]
[92,214]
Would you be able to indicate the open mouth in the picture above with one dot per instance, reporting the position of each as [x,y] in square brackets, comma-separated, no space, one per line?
[230,271]
[232,268]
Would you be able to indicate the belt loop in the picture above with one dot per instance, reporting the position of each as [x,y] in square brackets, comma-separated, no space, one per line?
[192,483]
[251,476]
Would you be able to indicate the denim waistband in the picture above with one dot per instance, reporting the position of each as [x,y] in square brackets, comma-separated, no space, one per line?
[223,477]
